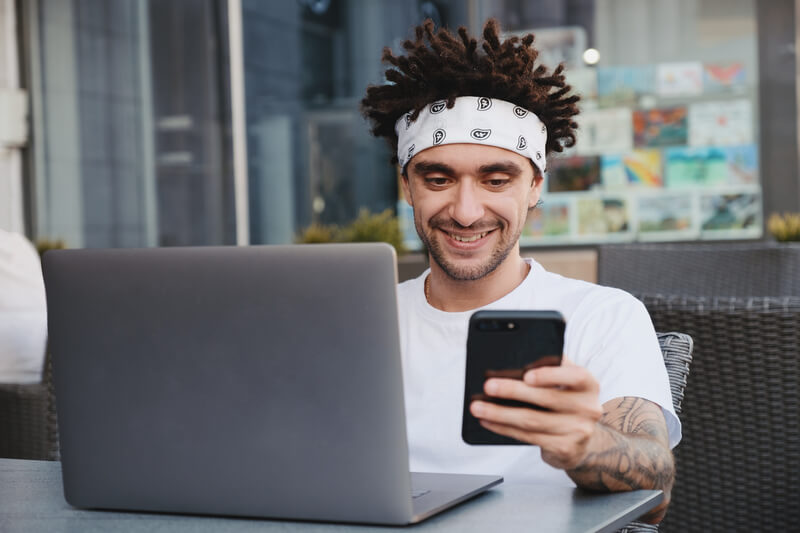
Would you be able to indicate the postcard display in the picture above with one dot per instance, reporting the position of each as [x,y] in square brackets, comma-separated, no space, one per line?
[664,152]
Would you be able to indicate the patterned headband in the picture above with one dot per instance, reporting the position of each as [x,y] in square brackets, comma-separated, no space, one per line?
[473,120]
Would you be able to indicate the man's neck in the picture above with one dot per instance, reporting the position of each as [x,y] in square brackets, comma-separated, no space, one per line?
[447,294]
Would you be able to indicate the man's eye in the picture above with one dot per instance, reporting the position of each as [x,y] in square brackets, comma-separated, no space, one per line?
[438,182]
[497,182]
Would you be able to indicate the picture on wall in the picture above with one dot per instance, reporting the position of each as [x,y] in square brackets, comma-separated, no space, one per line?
[624,85]
[573,173]
[639,168]
[603,215]
[730,212]
[549,220]
[583,82]
[612,172]
[720,123]
[660,127]
[742,164]
[662,217]
[603,131]
[724,77]
[679,79]
[695,167]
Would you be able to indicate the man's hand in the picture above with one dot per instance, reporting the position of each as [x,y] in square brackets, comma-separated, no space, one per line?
[620,446]
[569,392]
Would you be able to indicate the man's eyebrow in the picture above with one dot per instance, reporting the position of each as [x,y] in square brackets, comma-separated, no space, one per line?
[503,167]
[425,167]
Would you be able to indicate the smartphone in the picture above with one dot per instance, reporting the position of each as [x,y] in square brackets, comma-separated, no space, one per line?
[506,344]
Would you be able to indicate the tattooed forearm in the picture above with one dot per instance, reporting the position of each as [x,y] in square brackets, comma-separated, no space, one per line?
[628,463]
[631,452]
[636,416]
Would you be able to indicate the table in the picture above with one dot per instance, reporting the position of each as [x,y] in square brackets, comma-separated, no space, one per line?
[31,500]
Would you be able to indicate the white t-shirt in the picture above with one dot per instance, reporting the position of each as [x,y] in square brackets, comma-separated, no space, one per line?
[23,311]
[608,332]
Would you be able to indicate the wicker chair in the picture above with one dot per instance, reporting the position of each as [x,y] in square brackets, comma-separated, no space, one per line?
[738,462]
[677,351]
[28,424]
[727,269]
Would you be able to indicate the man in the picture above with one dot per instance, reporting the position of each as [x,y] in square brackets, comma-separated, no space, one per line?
[472,129]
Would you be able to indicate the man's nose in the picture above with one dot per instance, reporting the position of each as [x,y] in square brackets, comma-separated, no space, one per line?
[467,207]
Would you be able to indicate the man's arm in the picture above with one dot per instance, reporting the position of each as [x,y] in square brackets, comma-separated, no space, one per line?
[621,445]
[631,451]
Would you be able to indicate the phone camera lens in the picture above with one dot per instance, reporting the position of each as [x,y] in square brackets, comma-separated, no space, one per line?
[495,325]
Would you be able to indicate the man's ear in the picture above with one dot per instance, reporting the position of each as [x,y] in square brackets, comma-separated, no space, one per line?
[406,189]
[536,188]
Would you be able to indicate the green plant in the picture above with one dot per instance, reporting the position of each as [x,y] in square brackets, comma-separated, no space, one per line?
[368,227]
[319,233]
[43,245]
[785,227]
[381,227]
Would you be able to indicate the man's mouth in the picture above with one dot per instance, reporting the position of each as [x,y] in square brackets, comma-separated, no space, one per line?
[470,238]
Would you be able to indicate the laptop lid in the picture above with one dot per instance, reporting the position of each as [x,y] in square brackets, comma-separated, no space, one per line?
[256,381]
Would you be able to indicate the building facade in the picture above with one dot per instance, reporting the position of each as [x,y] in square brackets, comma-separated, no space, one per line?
[118,128]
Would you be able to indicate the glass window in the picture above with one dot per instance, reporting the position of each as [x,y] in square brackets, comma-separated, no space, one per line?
[667,145]
[130,121]
[311,157]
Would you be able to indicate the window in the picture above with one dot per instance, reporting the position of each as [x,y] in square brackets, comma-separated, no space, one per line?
[132,138]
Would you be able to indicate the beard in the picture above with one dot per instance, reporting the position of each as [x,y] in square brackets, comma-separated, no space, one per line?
[502,249]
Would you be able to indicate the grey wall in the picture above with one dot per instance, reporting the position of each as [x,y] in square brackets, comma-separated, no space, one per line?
[11,189]
[777,55]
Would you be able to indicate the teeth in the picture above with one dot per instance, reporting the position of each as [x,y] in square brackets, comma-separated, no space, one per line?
[468,239]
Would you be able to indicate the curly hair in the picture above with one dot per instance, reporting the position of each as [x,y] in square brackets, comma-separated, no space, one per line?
[449,66]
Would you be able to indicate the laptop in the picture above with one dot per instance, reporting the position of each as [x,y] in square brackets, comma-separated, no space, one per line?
[261,381]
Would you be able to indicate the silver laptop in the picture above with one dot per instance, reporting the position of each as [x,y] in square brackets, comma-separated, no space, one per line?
[263,381]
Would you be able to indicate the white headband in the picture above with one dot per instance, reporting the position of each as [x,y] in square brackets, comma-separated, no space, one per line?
[473,120]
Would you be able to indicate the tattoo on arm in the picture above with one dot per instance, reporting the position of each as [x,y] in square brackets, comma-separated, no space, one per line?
[634,451]
[637,417]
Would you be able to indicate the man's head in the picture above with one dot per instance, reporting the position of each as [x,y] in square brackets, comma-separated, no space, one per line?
[442,66]
[471,130]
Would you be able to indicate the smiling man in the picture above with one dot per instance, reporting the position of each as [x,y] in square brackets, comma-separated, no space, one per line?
[472,129]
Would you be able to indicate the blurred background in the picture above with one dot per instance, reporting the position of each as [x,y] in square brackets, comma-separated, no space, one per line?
[129,123]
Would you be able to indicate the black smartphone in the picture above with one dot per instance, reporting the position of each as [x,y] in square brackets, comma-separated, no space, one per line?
[506,344]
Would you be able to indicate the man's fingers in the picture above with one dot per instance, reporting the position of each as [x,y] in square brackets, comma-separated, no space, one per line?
[532,421]
[559,451]
[563,401]
[508,431]
[569,376]
[511,389]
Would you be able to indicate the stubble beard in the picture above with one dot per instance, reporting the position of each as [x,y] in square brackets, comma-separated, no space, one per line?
[466,273]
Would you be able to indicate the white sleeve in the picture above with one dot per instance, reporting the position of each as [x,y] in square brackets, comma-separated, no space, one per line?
[611,334]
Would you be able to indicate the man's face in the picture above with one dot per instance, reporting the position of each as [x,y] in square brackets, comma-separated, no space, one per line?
[470,204]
